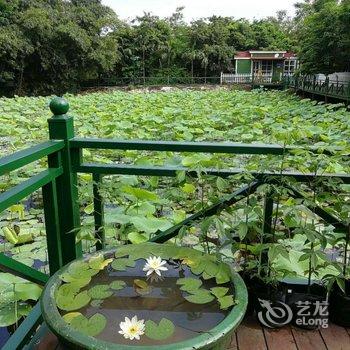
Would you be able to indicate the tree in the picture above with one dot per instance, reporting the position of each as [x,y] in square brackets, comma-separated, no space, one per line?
[323,32]
[52,46]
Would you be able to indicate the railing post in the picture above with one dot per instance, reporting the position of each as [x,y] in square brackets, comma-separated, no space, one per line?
[98,212]
[267,223]
[61,128]
[268,210]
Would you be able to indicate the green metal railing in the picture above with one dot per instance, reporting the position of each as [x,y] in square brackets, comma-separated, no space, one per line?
[327,88]
[60,197]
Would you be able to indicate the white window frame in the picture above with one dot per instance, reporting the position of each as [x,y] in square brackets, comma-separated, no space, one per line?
[264,67]
[290,66]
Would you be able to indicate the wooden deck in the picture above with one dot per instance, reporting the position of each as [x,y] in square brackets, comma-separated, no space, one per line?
[251,336]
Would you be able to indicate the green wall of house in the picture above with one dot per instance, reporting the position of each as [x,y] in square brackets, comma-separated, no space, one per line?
[244,66]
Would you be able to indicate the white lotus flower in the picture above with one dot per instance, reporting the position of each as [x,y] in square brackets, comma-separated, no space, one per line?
[132,329]
[155,264]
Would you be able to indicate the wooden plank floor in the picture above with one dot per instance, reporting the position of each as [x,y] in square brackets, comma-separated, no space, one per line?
[252,336]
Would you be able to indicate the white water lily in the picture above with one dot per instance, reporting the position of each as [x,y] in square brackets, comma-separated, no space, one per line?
[132,329]
[155,264]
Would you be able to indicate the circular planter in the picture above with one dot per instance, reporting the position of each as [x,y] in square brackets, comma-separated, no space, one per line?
[217,338]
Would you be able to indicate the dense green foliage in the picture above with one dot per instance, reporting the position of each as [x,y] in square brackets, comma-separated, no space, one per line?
[220,115]
[55,46]
[58,46]
[324,34]
[137,207]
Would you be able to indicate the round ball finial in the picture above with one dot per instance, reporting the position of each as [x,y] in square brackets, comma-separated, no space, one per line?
[59,106]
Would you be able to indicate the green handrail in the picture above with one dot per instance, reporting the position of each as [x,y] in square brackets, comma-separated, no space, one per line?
[324,88]
[60,198]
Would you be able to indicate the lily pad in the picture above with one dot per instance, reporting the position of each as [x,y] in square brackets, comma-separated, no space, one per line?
[211,268]
[72,302]
[101,291]
[99,262]
[164,330]
[81,270]
[137,237]
[226,301]
[197,266]
[122,263]
[142,287]
[92,326]
[69,317]
[189,284]
[81,282]
[68,289]
[117,285]
[205,276]
[219,292]
[140,283]
[223,275]
[201,296]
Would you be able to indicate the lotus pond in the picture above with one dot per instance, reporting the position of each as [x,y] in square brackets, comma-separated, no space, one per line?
[137,207]
[145,295]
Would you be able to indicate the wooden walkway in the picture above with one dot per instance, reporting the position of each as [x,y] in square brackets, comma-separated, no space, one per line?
[251,336]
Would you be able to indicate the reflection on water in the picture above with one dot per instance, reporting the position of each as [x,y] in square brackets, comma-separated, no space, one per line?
[165,300]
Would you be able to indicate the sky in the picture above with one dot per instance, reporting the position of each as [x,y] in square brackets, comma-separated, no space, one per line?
[201,8]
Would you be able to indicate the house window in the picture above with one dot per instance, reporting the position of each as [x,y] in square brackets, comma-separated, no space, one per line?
[262,67]
[289,67]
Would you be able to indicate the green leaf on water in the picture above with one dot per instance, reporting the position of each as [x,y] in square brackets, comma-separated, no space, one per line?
[137,237]
[91,327]
[206,276]
[81,282]
[68,289]
[140,283]
[142,287]
[164,330]
[122,263]
[99,262]
[116,285]
[189,284]
[226,301]
[219,292]
[80,270]
[201,296]
[198,267]
[223,275]
[72,302]
[100,291]
[141,193]
[150,224]
[211,268]
[203,263]
[69,317]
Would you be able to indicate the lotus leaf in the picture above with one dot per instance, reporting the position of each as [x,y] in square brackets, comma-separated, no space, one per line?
[89,326]
[101,291]
[164,330]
